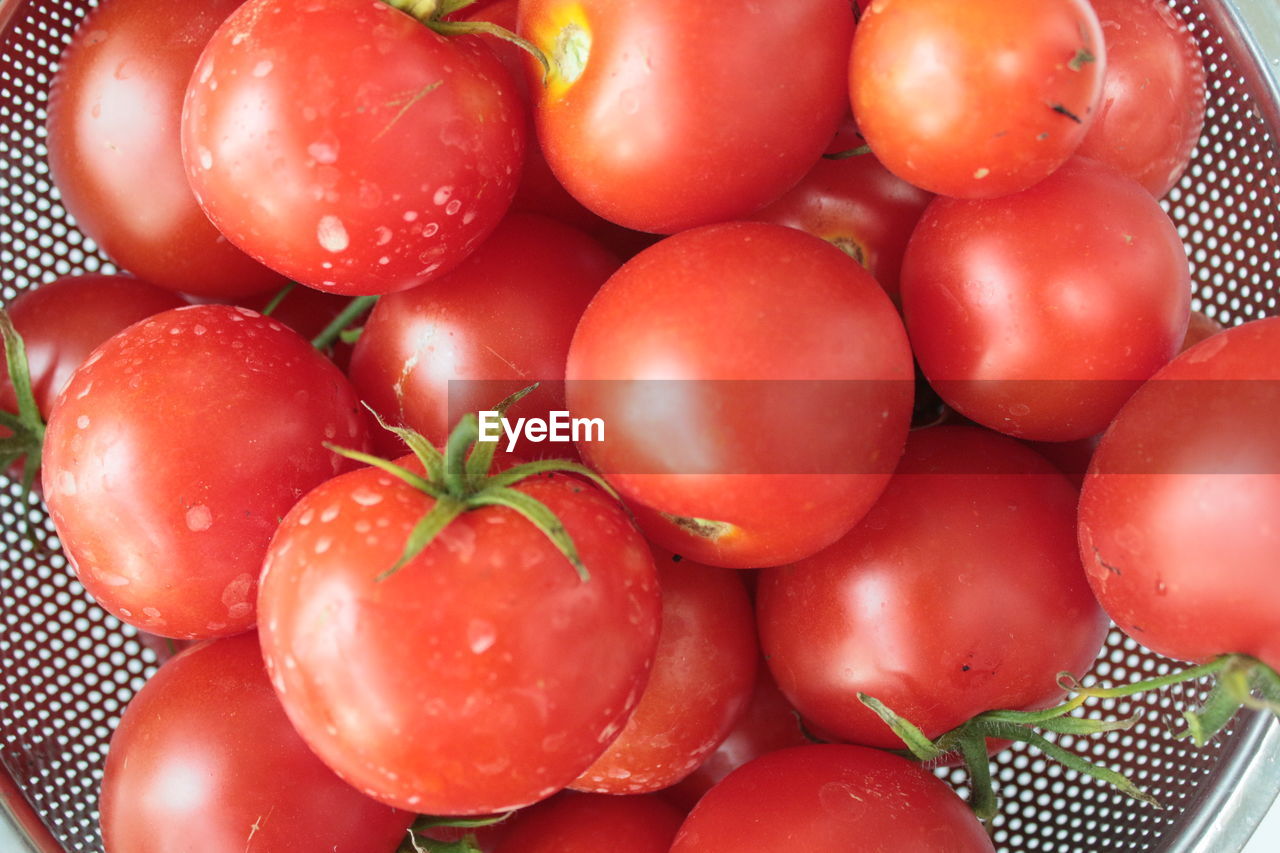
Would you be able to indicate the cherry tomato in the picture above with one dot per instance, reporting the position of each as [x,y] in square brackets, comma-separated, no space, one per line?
[347,145]
[662,116]
[174,451]
[702,678]
[960,592]
[1037,321]
[481,676]
[857,204]
[830,798]
[1188,479]
[1153,95]
[204,760]
[114,150]
[976,99]
[1199,327]
[768,724]
[779,463]
[62,321]
[590,823]
[498,323]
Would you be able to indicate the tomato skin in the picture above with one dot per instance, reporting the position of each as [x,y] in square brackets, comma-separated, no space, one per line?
[702,677]
[114,149]
[1170,493]
[960,592]
[1199,327]
[348,146]
[790,315]
[959,98]
[204,760]
[688,114]
[1153,95]
[1036,321]
[831,798]
[229,410]
[456,686]
[62,321]
[499,322]
[858,205]
[588,823]
[768,724]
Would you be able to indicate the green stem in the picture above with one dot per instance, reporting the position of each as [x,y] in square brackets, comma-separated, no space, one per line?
[845,155]
[354,309]
[460,28]
[541,517]
[1067,682]
[271,306]
[27,427]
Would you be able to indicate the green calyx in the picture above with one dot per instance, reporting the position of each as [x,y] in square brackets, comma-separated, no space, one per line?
[1239,681]
[459,479]
[26,428]
[433,14]
[418,842]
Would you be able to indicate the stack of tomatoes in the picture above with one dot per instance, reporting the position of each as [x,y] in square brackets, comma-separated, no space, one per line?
[750,239]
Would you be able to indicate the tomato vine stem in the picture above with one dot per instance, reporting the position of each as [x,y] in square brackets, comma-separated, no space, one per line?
[1239,681]
[459,479]
[26,428]
[345,318]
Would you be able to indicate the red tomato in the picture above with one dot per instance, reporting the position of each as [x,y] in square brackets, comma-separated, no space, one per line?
[702,678]
[204,760]
[829,798]
[1188,477]
[857,204]
[174,451]
[114,148]
[1038,321]
[1070,457]
[1153,101]
[498,323]
[540,191]
[823,388]
[347,145]
[976,99]
[664,116]
[960,592]
[1199,327]
[480,677]
[590,823]
[768,724]
[62,321]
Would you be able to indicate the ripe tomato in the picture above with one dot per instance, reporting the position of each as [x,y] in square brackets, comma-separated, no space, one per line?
[1152,96]
[62,321]
[204,760]
[782,460]
[481,676]
[829,798]
[347,145]
[702,678]
[1188,477]
[499,322]
[590,823]
[664,116]
[1199,327]
[976,99]
[857,204]
[174,451]
[960,592]
[1037,321]
[114,148]
[768,724]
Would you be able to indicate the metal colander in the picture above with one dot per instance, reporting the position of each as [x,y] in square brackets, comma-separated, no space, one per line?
[67,668]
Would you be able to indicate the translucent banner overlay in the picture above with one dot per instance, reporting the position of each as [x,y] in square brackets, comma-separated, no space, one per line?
[854,427]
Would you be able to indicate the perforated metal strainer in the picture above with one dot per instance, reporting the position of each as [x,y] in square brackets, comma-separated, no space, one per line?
[67,668]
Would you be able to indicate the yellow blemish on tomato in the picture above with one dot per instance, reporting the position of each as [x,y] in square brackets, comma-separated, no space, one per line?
[565,37]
